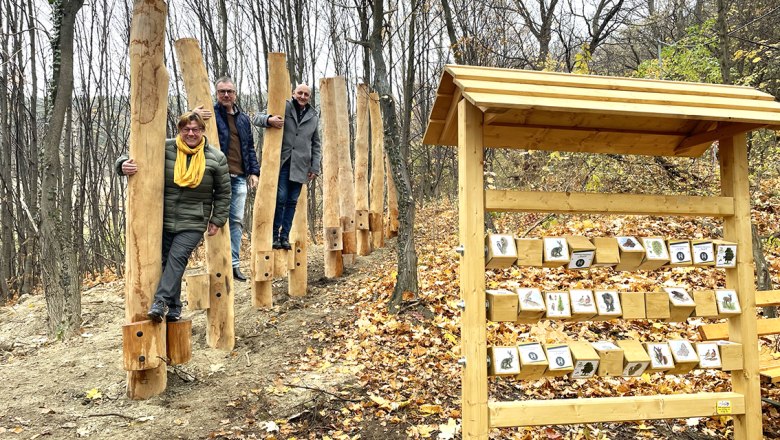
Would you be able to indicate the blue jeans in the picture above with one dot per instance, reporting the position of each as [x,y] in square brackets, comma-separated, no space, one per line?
[287,193]
[237,202]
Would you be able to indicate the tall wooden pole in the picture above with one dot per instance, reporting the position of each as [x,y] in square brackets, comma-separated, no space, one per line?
[742,328]
[265,201]
[333,263]
[377,185]
[148,111]
[220,317]
[471,213]
[346,175]
[297,281]
[361,171]
[391,219]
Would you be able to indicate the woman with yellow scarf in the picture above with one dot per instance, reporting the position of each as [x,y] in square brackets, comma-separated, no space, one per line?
[196,200]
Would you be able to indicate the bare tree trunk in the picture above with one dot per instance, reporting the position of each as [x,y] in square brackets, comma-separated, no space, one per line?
[60,277]
[724,55]
[407,255]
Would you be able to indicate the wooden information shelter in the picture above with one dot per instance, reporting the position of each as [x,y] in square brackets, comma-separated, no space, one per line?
[478,108]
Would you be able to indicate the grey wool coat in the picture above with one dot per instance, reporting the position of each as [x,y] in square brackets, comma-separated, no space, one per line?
[300,141]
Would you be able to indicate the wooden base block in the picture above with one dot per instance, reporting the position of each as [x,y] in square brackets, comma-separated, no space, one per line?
[657,305]
[264,266]
[502,305]
[731,355]
[291,256]
[280,263]
[581,252]
[610,358]
[333,264]
[529,252]
[179,345]
[364,245]
[348,238]
[607,252]
[635,358]
[143,345]
[679,313]
[375,222]
[333,239]
[706,307]
[633,304]
[584,358]
[362,220]
[631,253]
[262,294]
[197,291]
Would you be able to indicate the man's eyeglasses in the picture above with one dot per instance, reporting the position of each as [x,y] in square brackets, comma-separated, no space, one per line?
[225,92]
[190,130]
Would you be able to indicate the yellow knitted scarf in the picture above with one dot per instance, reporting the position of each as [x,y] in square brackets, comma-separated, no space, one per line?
[191,176]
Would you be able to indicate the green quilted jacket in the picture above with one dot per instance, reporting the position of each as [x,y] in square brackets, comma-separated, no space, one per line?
[191,209]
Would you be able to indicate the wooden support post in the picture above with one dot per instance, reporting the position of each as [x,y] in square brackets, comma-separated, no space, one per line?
[297,281]
[179,345]
[334,265]
[742,328]
[148,115]
[377,185]
[471,212]
[361,171]
[198,286]
[346,174]
[220,316]
[391,219]
[265,201]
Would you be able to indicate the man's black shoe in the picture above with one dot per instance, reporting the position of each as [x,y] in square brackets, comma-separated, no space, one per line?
[277,244]
[285,244]
[237,275]
[173,316]
[158,310]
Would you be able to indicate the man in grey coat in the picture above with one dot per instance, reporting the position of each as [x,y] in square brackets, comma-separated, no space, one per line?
[300,159]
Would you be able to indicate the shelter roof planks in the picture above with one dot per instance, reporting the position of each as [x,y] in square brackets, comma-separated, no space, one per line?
[597,114]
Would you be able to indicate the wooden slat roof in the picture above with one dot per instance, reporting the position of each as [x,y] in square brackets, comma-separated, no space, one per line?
[560,111]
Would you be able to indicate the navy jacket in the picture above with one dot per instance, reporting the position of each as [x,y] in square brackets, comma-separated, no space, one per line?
[248,155]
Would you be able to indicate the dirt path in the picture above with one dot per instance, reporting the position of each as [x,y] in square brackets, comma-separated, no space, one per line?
[46,387]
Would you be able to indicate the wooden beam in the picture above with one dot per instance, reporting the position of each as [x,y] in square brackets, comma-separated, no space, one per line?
[720,331]
[599,203]
[297,277]
[471,213]
[708,137]
[346,174]
[735,181]
[377,184]
[611,409]
[766,298]
[361,165]
[332,260]
[450,122]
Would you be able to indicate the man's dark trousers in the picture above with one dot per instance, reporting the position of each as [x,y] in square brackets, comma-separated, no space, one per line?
[176,250]
[287,193]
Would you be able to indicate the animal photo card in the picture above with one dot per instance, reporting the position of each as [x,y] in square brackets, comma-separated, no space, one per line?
[728,302]
[628,243]
[608,303]
[503,245]
[709,355]
[683,351]
[556,249]
[532,353]
[557,304]
[530,299]
[660,356]
[635,369]
[655,248]
[506,361]
[582,302]
[679,297]
[726,255]
[585,369]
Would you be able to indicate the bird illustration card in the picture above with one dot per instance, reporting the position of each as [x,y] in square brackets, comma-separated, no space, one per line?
[679,297]
[582,302]
[556,249]
[709,355]
[503,245]
[557,304]
[629,243]
[505,361]
[635,369]
[728,302]
[683,351]
[531,353]
[530,299]
[608,303]
[560,357]
[660,356]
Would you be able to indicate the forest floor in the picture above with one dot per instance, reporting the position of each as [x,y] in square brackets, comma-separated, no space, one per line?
[335,364]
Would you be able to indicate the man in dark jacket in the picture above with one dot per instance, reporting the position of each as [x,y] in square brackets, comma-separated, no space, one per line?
[196,199]
[300,161]
[238,145]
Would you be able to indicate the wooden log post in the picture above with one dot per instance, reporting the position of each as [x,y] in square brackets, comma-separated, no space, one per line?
[148,113]
[220,316]
[265,201]
[143,345]
[377,185]
[198,291]
[297,282]
[346,174]
[363,236]
[333,263]
[742,328]
[179,345]
[391,217]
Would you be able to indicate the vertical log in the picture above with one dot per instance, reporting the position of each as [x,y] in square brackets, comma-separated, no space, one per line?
[346,174]
[333,263]
[297,282]
[742,328]
[391,218]
[220,316]
[148,111]
[265,201]
[361,166]
[376,188]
